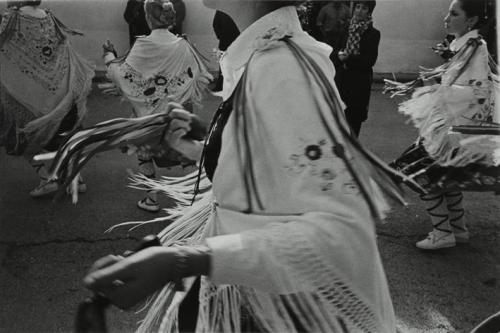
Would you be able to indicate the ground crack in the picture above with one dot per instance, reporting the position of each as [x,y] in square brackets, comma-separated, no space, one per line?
[65,241]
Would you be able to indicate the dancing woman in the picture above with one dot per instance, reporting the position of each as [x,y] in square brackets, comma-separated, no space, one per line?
[44,85]
[159,68]
[460,93]
[285,239]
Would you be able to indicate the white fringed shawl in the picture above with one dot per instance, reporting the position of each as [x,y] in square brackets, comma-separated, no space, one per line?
[160,68]
[466,95]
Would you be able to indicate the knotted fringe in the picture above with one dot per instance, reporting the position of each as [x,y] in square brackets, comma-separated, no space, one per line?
[188,222]
[189,225]
[220,308]
[160,309]
[181,189]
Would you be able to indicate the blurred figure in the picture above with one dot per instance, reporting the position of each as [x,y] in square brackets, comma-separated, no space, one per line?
[135,17]
[332,21]
[44,85]
[180,15]
[354,63]
[226,32]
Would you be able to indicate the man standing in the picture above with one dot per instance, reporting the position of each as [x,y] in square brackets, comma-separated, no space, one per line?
[136,19]
[332,21]
[226,32]
[180,15]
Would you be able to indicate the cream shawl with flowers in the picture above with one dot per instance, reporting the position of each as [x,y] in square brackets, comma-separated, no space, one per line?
[159,68]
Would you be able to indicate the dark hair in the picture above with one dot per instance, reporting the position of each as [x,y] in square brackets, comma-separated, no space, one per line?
[477,8]
[275,4]
[369,3]
[20,4]
[161,13]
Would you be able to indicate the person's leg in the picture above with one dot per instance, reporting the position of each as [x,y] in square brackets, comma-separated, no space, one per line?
[353,121]
[44,187]
[456,214]
[442,234]
[147,168]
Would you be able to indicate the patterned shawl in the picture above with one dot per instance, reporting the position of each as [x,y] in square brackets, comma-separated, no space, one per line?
[356,30]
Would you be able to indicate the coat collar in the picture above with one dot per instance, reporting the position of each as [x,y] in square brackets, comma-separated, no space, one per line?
[233,62]
[459,42]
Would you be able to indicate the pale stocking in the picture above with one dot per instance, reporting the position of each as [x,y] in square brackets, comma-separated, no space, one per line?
[456,211]
[437,209]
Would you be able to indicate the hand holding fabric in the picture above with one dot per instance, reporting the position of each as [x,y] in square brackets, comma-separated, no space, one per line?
[127,281]
[180,124]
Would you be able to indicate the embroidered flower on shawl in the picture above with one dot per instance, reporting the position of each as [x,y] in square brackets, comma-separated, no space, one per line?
[271,39]
[313,152]
[149,91]
[319,160]
[160,80]
[47,51]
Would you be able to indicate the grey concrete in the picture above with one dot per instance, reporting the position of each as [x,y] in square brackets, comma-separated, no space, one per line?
[46,247]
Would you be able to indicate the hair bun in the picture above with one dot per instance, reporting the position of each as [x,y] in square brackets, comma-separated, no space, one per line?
[168,6]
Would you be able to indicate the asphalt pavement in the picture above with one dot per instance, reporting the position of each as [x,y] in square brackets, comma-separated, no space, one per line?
[46,247]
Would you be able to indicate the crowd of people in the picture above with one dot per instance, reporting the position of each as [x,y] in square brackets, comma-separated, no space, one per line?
[280,234]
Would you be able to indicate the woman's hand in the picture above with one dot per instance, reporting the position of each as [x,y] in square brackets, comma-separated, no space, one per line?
[108,47]
[180,124]
[127,281]
[343,55]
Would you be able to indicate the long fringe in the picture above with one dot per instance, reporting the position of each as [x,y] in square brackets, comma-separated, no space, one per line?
[220,308]
[189,225]
[188,222]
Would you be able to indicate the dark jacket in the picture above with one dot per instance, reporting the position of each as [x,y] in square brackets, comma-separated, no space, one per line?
[225,29]
[136,19]
[180,15]
[355,75]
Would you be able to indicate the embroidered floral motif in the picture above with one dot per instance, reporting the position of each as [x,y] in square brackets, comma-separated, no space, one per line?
[313,152]
[37,51]
[155,89]
[320,160]
[482,105]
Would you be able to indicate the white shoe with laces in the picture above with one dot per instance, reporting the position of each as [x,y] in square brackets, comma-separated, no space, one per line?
[149,205]
[43,189]
[437,240]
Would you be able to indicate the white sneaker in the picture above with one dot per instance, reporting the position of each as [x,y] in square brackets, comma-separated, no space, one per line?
[462,237]
[149,205]
[437,240]
[44,188]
